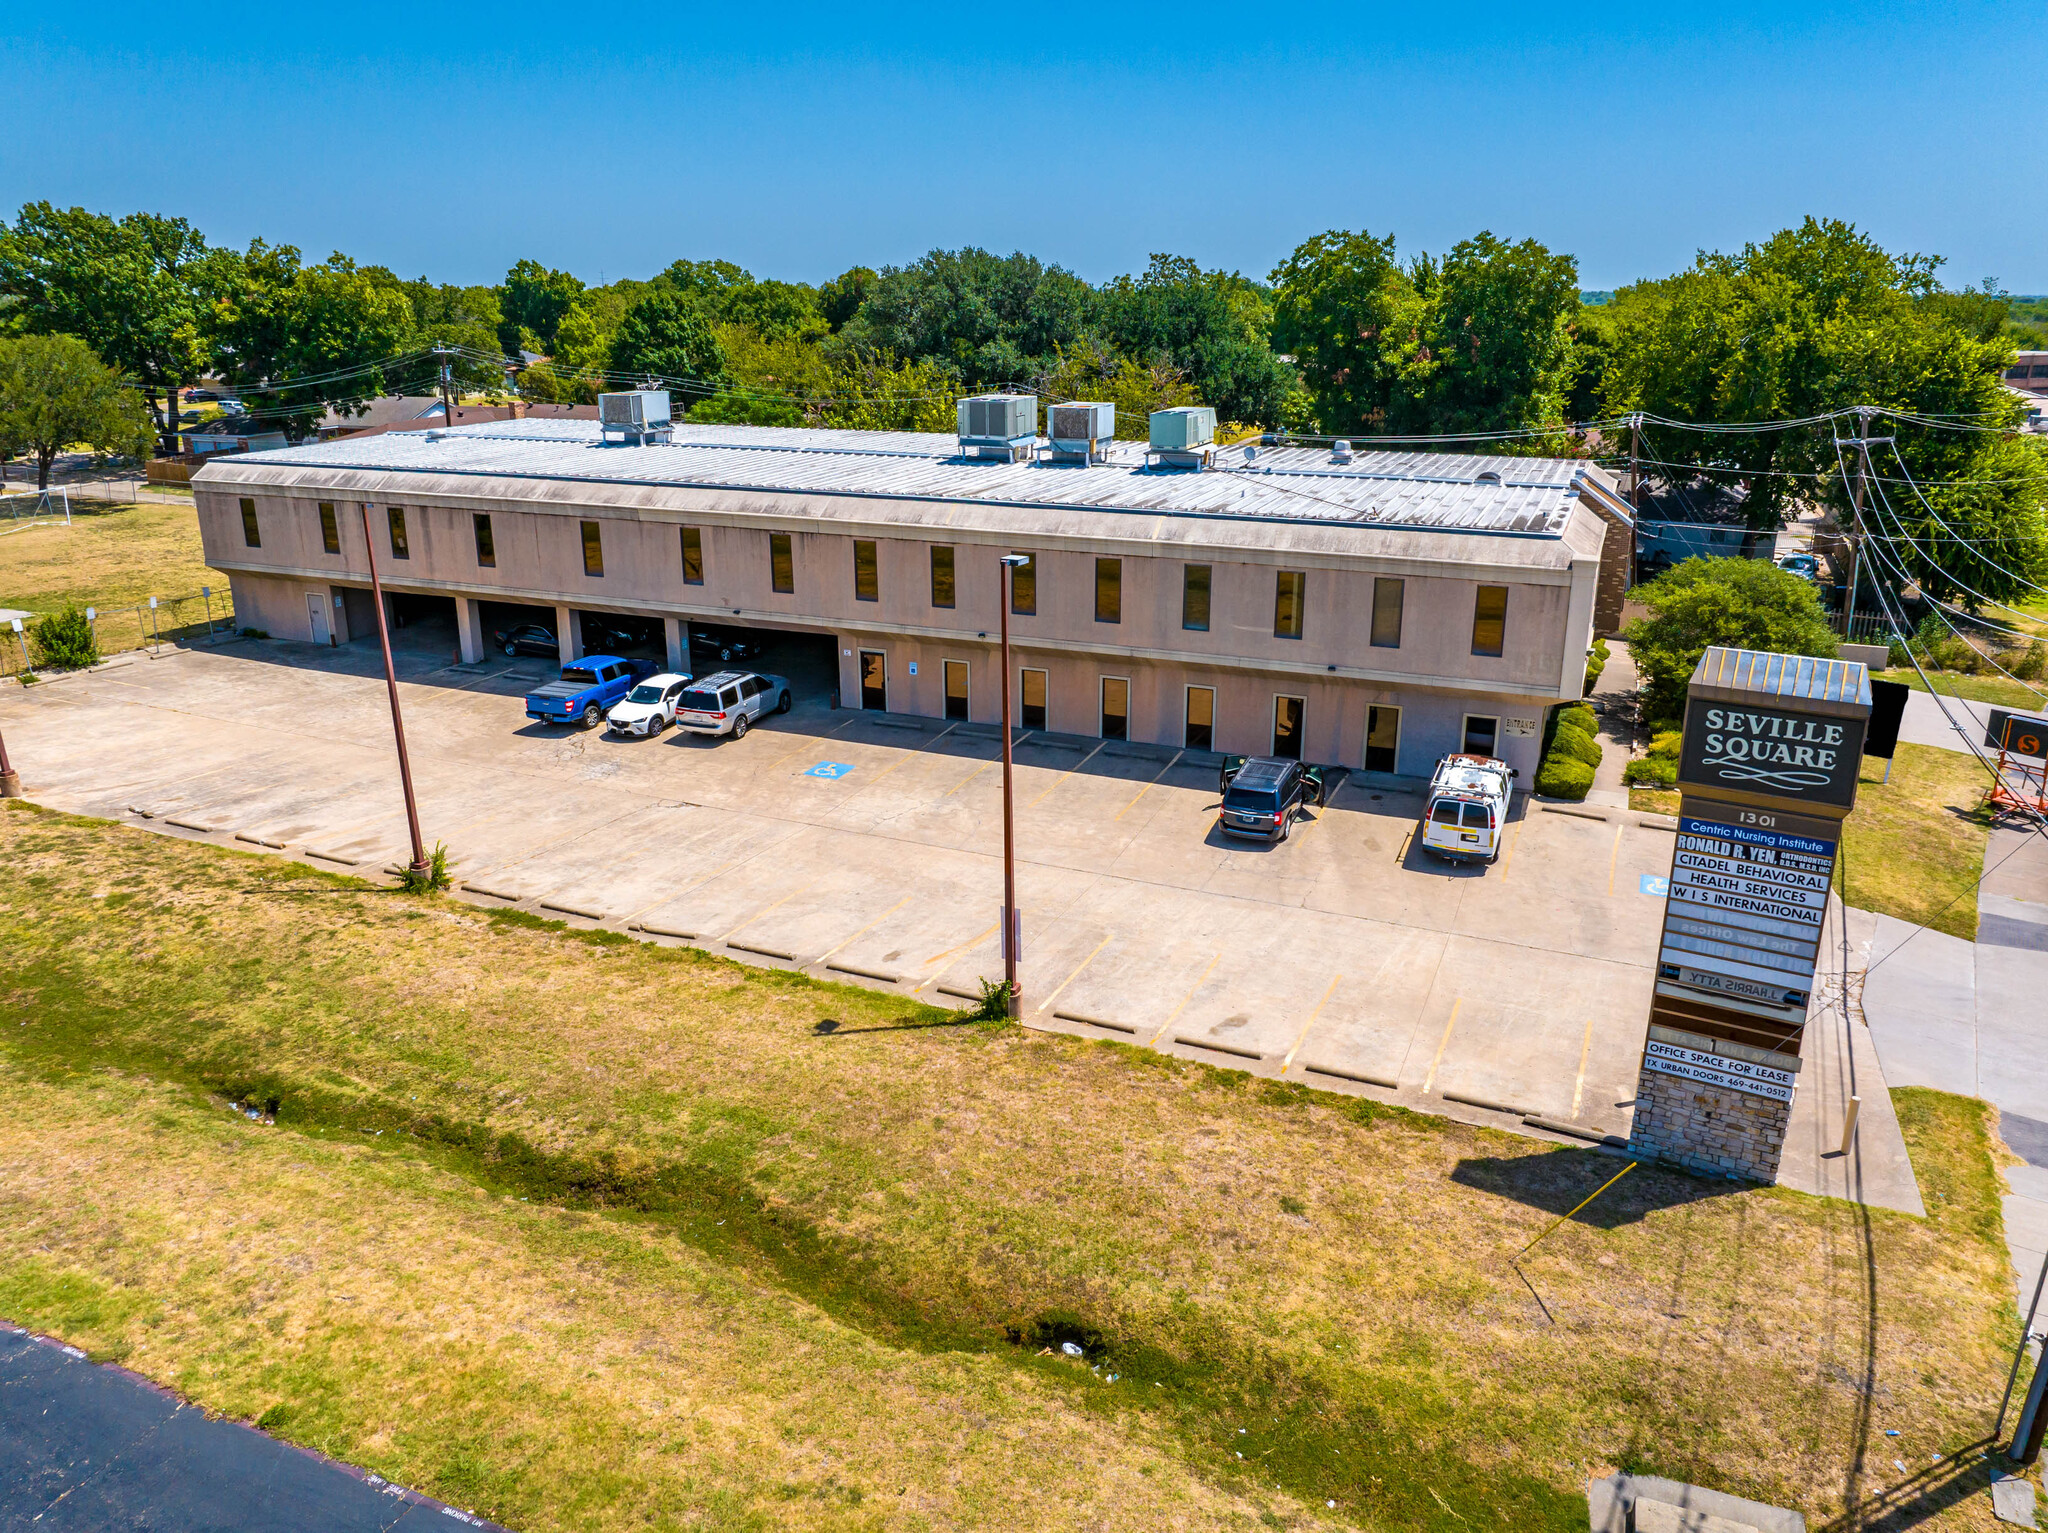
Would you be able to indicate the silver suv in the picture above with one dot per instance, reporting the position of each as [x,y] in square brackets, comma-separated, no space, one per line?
[729,702]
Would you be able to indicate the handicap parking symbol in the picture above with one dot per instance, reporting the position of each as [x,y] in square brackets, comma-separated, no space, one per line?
[1656,884]
[828,769]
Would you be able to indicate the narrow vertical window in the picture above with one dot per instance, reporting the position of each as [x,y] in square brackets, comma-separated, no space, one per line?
[693,557]
[1109,591]
[330,530]
[400,547]
[249,532]
[1490,620]
[1194,599]
[1386,613]
[1024,588]
[486,545]
[942,575]
[781,569]
[867,581]
[593,549]
[1288,587]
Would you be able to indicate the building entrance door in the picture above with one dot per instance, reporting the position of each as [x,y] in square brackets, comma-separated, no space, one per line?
[874,679]
[1032,686]
[1116,708]
[1382,738]
[1287,713]
[956,689]
[1201,724]
[316,616]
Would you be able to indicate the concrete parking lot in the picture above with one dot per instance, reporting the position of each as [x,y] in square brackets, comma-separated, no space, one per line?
[866,847]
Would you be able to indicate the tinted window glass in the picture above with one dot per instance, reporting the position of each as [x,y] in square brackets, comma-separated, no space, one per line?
[644,695]
[1109,590]
[867,584]
[486,546]
[729,698]
[942,576]
[1386,613]
[1490,620]
[330,534]
[400,547]
[1444,811]
[1194,598]
[249,533]
[693,557]
[1235,797]
[698,700]
[580,675]
[1024,588]
[1288,586]
[593,550]
[781,568]
[1478,817]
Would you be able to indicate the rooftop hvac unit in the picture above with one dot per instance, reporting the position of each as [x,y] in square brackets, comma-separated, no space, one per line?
[1081,429]
[998,425]
[639,417]
[1181,437]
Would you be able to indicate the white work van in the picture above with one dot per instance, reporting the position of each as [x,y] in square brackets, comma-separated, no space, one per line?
[1467,815]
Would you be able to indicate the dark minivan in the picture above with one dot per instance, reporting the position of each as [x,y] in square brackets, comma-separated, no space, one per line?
[1263,795]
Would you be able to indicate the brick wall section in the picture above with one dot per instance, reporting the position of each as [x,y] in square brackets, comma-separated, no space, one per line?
[1617,568]
[1708,1130]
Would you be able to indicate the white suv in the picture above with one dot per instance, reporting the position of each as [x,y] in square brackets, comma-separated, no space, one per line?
[730,701]
[649,708]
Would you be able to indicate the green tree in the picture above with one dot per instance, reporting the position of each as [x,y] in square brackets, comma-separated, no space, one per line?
[127,288]
[1135,388]
[1209,326]
[1349,315]
[709,283]
[1811,321]
[1741,603]
[297,340]
[877,392]
[1496,350]
[54,394]
[464,319]
[668,338]
[992,319]
[531,302]
[840,299]
[775,311]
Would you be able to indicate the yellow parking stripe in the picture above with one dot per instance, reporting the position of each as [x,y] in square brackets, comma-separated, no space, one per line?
[975,941]
[1056,989]
[1148,787]
[1174,1016]
[1442,1043]
[750,920]
[1613,858]
[1579,1086]
[878,920]
[1302,1036]
[810,743]
[905,757]
[1069,772]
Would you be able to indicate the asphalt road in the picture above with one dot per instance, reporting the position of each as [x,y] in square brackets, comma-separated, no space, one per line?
[85,1446]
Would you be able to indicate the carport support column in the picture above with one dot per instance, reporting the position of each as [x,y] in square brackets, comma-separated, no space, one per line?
[469,628]
[676,635]
[569,633]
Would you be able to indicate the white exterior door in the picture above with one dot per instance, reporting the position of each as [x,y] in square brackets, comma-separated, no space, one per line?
[316,615]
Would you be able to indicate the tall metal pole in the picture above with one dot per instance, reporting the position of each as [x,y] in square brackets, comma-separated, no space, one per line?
[10,780]
[1010,922]
[412,812]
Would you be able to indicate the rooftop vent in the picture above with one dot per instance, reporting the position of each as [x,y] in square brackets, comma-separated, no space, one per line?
[1181,437]
[998,425]
[1486,476]
[1081,430]
[1341,452]
[639,417]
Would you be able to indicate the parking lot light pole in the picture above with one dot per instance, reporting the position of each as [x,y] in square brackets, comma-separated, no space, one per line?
[1011,564]
[412,812]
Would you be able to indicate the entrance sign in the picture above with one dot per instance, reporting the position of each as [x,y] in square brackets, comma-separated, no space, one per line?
[1773,746]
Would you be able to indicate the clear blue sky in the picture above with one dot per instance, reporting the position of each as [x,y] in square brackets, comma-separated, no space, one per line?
[610,140]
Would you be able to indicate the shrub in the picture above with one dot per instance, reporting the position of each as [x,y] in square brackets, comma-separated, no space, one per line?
[1578,716]
[64,641]
[1669,743]
[994,1005]
[1562,777]
[1596,662]
[2029,665]
[1743,603]
[1576,744]
[435,877]
[1651,772]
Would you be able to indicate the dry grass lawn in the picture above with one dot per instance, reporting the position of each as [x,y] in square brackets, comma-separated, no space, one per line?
[597,1235]
[1914,848]
[2000,691]
[114,558]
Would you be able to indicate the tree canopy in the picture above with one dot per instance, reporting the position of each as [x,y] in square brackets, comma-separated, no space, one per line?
[54,394]
[1744,603]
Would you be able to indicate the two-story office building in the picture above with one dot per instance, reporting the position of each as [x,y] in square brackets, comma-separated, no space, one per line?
[1374,610]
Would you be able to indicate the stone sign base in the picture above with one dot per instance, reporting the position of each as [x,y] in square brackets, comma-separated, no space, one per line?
[1711,1130]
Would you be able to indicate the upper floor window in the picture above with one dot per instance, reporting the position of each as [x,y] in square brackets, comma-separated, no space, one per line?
[330,530]
[400,548]
[593,549]
[1194,597]
[249,533]
[486,546]
[1289,586]
[1024,587]
[693,557]
[942,575]
[1386,613]
[1109,590]
[867,580]
[1490,621]
[781,567]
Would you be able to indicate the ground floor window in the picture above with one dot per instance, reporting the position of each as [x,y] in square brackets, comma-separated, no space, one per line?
[1287,715]
[1116,708]
[874,679]
[1031,690]
[1382,738]
[1201,719]
[1481,734]
[956,688]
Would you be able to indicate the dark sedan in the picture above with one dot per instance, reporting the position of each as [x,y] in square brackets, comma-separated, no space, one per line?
[529,639]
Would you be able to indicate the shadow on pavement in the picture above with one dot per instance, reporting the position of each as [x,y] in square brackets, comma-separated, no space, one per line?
[1558,1181]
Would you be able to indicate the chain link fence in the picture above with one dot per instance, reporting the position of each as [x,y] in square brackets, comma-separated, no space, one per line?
[199,617]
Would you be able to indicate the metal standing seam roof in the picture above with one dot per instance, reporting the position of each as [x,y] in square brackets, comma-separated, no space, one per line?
[1495,496]
[1802,677]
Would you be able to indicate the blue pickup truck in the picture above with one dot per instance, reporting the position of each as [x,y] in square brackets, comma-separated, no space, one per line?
[588,687]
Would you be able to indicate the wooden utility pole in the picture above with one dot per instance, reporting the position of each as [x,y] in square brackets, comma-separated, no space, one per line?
[447,387]
[1857,488]
[412,812]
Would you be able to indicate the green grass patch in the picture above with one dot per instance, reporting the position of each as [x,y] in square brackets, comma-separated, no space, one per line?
[1990,688]
[1914,847]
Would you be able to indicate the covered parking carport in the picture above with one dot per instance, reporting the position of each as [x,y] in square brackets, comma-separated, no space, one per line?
[804,657]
